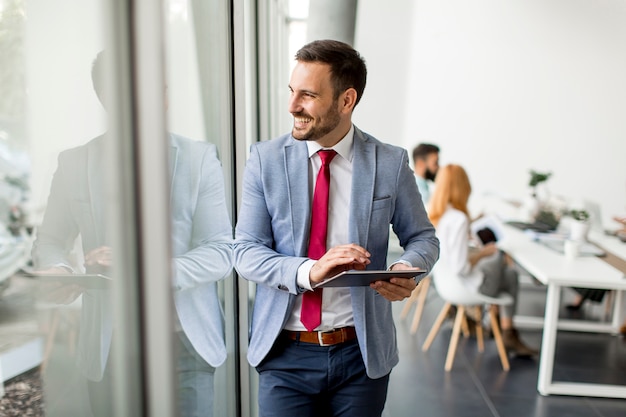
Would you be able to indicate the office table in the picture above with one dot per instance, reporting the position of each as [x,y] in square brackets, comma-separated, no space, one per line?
[556,271]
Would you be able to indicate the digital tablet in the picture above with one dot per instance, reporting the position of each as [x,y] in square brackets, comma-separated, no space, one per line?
[354,278]
[87,281]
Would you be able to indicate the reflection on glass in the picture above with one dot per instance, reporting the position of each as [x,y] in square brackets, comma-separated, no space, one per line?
[55,163]
[201,244]
[73,255]
[201,233]
[198,82]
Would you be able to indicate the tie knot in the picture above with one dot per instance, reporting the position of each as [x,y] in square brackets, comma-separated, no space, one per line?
[326,155]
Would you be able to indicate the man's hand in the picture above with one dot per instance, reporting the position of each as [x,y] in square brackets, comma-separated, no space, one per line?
[339,259]
[396,289]
[620,220]
[98,258]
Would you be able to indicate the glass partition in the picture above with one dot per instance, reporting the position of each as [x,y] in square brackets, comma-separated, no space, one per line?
[116,208]
[199,93]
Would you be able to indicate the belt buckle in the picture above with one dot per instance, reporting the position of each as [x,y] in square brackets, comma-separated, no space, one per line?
[321,340]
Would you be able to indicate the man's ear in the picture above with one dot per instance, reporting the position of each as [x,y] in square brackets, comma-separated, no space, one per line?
[347,100]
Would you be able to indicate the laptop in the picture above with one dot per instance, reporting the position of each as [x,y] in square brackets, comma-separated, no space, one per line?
[536,226]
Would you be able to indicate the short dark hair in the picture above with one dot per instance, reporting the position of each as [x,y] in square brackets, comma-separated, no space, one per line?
[422,150]
[347,67]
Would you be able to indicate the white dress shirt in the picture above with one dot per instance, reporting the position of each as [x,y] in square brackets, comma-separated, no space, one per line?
[336,302]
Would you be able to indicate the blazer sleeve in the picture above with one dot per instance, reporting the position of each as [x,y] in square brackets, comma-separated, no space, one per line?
[410,221]
[256,257]
[58,231]
[209,254]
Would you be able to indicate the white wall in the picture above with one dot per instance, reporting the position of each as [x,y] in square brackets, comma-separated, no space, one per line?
[504,87]
[63,111]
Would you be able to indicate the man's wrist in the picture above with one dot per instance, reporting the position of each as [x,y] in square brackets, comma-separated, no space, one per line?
[400,261]
[302,279]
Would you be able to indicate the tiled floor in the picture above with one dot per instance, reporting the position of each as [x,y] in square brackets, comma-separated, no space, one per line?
[478,387]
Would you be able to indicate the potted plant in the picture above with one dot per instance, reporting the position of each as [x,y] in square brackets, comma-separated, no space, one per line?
[579,227]
[579,215]
[532,203]
[537,178]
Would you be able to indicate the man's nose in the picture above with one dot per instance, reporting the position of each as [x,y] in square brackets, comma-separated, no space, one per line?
[294,104]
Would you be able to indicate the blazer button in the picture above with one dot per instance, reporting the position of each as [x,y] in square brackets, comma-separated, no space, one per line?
[283,288]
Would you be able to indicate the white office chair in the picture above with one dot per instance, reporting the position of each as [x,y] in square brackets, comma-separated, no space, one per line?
[452,290]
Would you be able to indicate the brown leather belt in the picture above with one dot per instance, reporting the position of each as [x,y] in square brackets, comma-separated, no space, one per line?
[333,337]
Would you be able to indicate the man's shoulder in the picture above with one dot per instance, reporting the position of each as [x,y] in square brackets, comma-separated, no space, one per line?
[276,143]
[185,142]
[372,141]
[192,150]
[84,148]
[273,147]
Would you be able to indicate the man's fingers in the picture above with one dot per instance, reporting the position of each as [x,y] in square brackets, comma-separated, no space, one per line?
[396,289]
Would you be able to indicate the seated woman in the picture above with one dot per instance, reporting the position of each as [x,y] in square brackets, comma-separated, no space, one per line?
[486,270]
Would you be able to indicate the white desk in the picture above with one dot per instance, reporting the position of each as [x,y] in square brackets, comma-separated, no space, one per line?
[554,270]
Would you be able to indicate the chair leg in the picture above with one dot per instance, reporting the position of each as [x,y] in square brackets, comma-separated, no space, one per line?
[54,325]
[454,340]
[438,322]
[495,328]
[479,328]
[608,304]
[465,327]
[421,301]
[407,305]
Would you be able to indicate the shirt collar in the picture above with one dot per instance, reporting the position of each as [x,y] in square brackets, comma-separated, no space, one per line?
[343,147]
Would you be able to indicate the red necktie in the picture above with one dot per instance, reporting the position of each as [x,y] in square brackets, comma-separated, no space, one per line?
[311,313]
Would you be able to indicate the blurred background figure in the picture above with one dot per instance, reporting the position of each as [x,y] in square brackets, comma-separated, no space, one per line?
[425,166]
[485,269]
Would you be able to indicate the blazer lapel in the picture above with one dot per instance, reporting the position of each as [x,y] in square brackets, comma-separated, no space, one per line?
[297,168]
[363,176]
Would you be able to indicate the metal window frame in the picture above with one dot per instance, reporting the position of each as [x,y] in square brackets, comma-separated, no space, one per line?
[143,365]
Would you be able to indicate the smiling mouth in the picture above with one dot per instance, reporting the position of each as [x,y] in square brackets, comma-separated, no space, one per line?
[301,122]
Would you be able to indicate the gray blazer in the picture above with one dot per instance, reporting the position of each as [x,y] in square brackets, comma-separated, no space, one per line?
[272,235]
[201,243]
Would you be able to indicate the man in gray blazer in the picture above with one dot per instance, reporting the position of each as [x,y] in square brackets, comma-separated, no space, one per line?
[342,366]
[201,246]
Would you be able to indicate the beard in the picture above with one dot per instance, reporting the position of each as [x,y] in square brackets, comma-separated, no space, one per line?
[326,124]
[429,175]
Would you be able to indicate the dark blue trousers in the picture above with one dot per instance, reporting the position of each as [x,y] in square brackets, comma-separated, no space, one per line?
[303,379]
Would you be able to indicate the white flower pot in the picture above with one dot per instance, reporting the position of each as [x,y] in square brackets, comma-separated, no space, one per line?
[578,230]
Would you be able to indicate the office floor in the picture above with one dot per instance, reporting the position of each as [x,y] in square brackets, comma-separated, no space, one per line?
[478,387]
[475,387]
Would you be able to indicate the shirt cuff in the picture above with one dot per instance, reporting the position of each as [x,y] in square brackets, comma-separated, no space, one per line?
[303,281]
[68,268]
[400,261]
